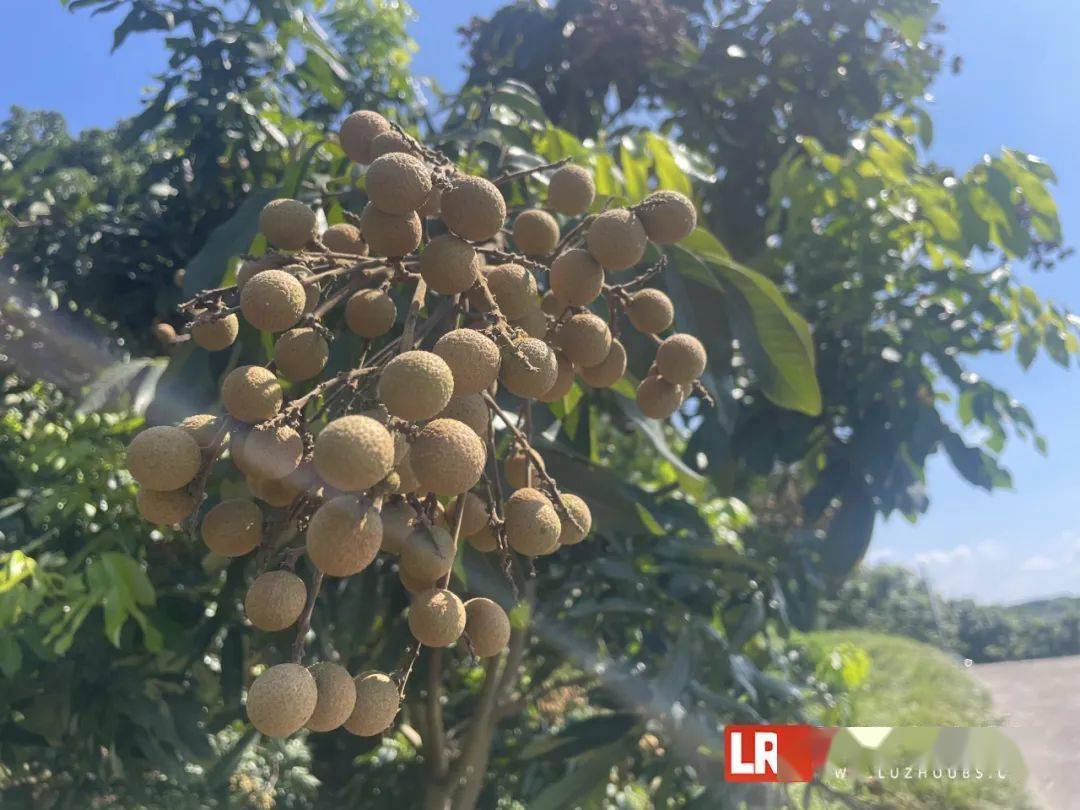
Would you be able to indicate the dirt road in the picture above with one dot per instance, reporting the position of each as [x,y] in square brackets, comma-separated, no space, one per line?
[1040,701]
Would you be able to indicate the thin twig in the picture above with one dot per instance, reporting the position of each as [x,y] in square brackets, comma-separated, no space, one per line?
[507,177]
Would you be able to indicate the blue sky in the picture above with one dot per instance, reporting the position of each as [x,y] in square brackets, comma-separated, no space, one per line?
[1016,89]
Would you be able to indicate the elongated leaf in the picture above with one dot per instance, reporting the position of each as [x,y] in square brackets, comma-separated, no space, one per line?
[588,777]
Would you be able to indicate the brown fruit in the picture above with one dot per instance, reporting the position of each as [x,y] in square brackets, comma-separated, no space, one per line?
[571,190]
[397,522]
[204,428]
[616,239]
[273,301]
[390,141]
[216,335]
[301,354]
[576,279]
[575,530]
[513,288]
[532,524]
[233,527]
[343,537]
[273,452]
[345,238]
[164,508]
[397,183]
[164,458]
[287,224]
[275,600]
[658,398]
[470,410]
[564,380]
[282,492]
[436,617]
[484,540]
[357,133]
[390,235]
[487,626]
[473,359]
[370,313]
[609,371]
[681,359]
[447,457]
[517,468]
[416,385]
[585,339]
[281,700]
[534,324]
[473,208]
[336,699]
[427,553]
[550,305]
[353,453]
[164,333]
[476,513]
[449,265]
[377,704]
[249,267]
[668,217]
[432,206]
[536,233]
[650,311]
[251,394]
[529,368]
[407,480]
[412,584]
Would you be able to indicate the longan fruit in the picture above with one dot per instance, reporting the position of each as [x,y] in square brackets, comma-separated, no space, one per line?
[550,303]
[529,368]
[233,527]
[416,385]
[343,537]
[436,617]
[204,428]
[164,458]
[516,468]
[397,183]
[447,457]
[571,190]
[432,206]
[487,626]
[585,339]
[251,394]
[164,333]
[357,133]
[681,359]
[287,224]
[390,141]
[273,452]
[412,584]
[281,700]
[427,553]
[667,216]
[390,235]
[397,522]
[407,480]
[658,398]
[473,208]
[216,335]
[273,301]
[275,600]
[345,238]
[377,704]
[301,354]
[370,313]
[476,515]
[473,359]
[532,524]
[536,233]
[609,371]
[576,279]
[471,410]
[575,530]
[449,265]
[164,508]
[514,289]
[281,492]
[336,699]
[484,540]
[353,453]
[564,380]
[534,324]
[650,311]
[616,239]
[250,267]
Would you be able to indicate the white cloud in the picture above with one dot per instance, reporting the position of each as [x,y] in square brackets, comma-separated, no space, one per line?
[1039,562]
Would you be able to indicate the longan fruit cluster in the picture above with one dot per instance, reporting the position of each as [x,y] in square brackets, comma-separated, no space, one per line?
[386,463]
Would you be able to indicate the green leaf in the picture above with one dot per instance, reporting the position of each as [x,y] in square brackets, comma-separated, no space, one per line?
[231,238]
[668,173]
[10,655]
[588,777]
[581,736]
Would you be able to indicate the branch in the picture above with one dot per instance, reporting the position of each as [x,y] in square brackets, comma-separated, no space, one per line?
[305,618]
[507,177]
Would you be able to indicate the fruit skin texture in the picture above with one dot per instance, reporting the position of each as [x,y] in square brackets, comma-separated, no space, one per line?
[397,183]
[681,358]
[576,279]
[287,224]
[536,233]
[519,378]
[233,527]
[164,458]
[650,311]
[514,289]
[484,540]
[216,335]
[416,385]
[336,696]
[164,508]
[564,379]
[667,216]
[377,704]
[353,453]
[386,142]
[436,618]
[447,457]
[585,339]
[250,267]
[532,524]
[251,394]
[476,513]
[449,265]
[370,313]
[343,538]
[534,324]
[573,532]
[487,626]
[571,190]
[301,354]
[345,238]
[427,553]
[473,359]
[283,491]
[470,410]
[389,235]
[281,700]
[516,468]
[473,208]
[616,239]
[204,429]
[273,301]
[609,371]
[397,519]
[658,398]
[273,452]
[358,131]
[275,600]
